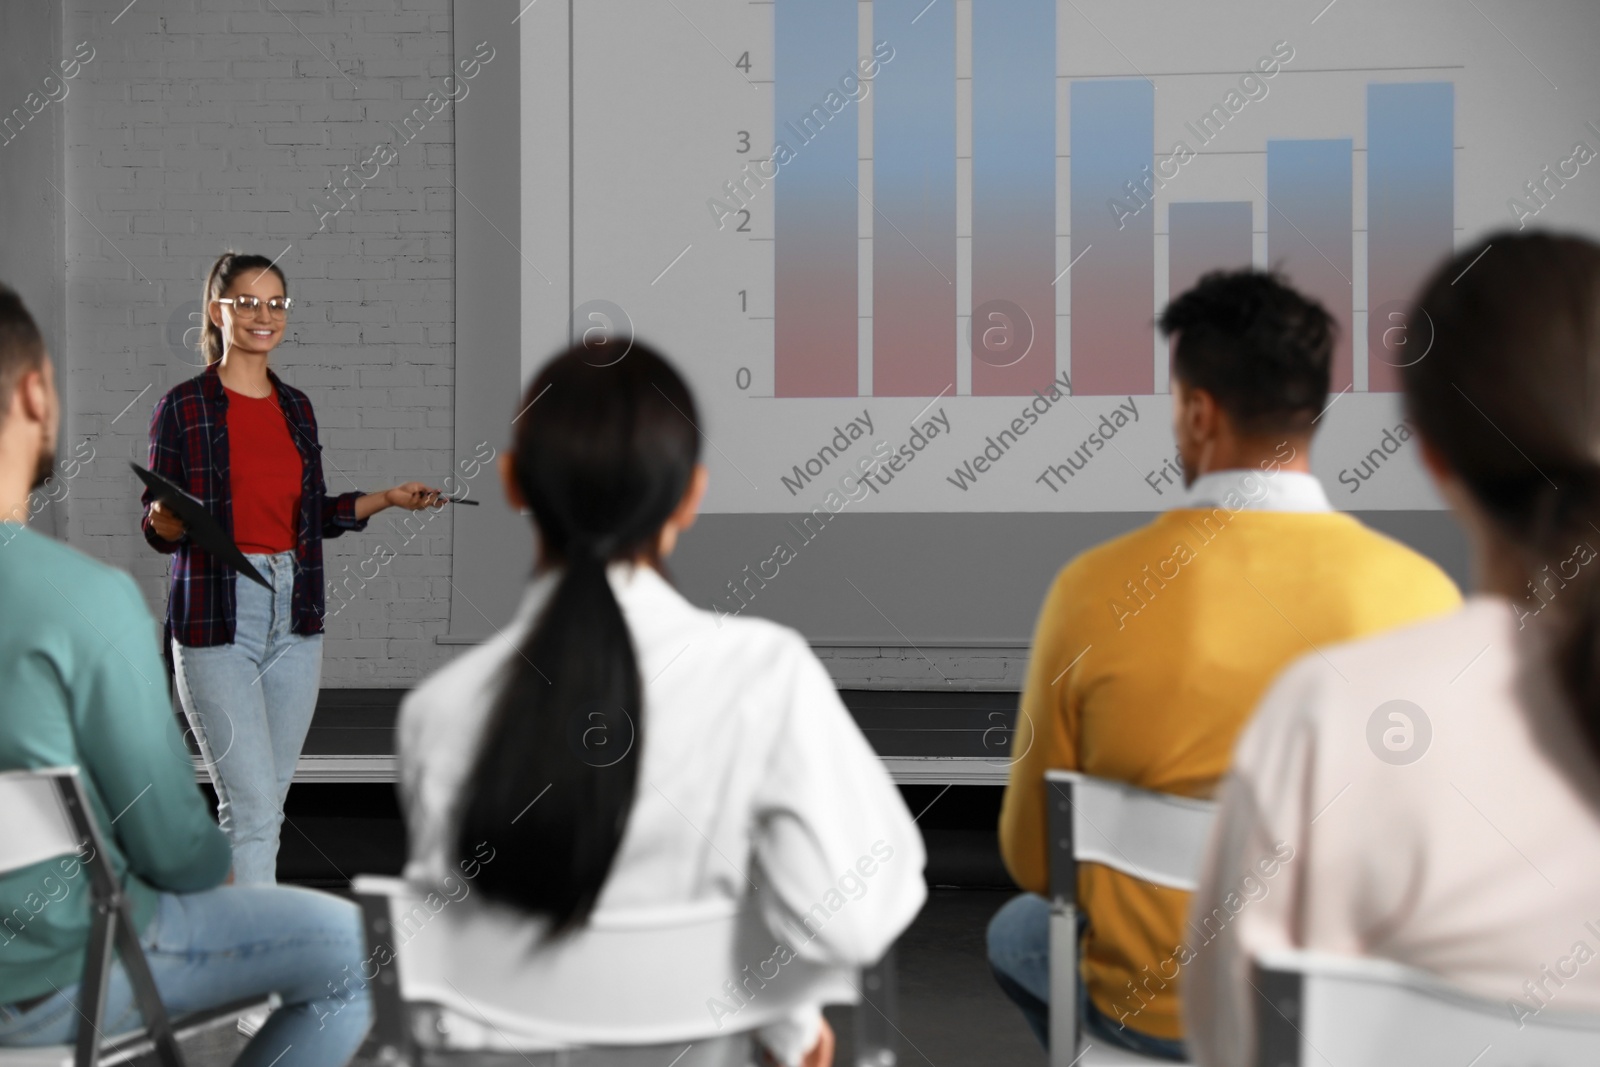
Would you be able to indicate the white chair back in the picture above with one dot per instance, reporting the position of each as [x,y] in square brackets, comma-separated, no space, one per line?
[1341,1011]
[636,978]
[1154,837]
[47,814]
[37,826]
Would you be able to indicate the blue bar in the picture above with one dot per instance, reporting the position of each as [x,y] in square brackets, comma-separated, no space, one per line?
[816,303]
[914,197]
[1113,284]
[1014,187]
[1410,206]
[1310,233]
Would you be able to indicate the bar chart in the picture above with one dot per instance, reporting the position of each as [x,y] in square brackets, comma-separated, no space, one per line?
[1302,200]
[937,234]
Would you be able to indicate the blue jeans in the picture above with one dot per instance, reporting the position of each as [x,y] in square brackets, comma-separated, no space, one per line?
[231,942]
[249,705]
[1019,956]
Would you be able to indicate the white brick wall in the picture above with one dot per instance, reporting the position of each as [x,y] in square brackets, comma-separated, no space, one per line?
[899,667]
[207,124]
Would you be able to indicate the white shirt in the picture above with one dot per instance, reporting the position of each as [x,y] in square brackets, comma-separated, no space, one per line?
[1478,860]
[1258,490]
[752,770]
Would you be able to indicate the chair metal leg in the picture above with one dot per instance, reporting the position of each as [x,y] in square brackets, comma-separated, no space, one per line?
[1279,1012]
[111,934]
[92,989]
[1065,1026]
[1064,1021]
[156,1020]
[876,1015]
[390,1029]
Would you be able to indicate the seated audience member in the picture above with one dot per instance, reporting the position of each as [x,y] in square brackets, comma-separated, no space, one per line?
[617,748]
[1152,649]
[84,685]
[1432,796]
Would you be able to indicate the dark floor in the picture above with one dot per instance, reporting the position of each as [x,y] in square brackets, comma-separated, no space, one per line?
[950,1012]
[333,832]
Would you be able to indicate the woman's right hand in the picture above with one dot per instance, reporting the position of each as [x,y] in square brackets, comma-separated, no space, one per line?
[167,526]
[821,1053]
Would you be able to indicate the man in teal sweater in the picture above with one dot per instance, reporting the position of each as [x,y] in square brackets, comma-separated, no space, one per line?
[82,684]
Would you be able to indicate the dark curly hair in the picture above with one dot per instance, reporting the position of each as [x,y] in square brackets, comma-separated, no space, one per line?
[1262,350]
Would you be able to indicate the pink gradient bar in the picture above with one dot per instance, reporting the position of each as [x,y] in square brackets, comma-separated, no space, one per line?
[815,336]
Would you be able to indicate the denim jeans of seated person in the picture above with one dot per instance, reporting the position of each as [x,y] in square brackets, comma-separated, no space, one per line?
[249,704]
[1019,955]
[226,944]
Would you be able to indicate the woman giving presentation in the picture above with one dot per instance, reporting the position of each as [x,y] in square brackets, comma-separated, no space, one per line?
[248,660]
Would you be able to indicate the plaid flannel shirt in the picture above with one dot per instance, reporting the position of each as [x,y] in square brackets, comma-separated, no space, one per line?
[189,446]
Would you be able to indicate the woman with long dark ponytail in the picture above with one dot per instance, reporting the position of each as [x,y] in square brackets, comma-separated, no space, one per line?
[586,758]
[1451,769]
[603,470]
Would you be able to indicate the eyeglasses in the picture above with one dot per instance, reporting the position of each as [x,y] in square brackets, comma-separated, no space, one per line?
[277,307]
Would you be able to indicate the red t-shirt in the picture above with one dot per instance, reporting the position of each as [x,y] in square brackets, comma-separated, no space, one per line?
[264,471]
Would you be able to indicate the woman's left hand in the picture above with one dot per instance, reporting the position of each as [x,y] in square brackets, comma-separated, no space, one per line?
[414,496]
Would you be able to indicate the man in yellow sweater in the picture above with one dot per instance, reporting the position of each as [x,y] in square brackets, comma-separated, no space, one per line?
[1152,650]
